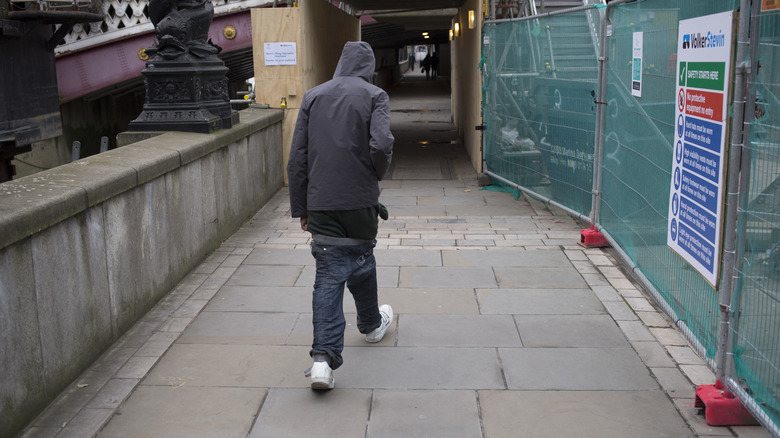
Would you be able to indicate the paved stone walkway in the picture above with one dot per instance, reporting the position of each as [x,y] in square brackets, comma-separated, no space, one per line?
[505,327]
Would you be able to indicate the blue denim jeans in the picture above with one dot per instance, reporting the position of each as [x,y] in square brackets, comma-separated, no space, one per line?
[337,265]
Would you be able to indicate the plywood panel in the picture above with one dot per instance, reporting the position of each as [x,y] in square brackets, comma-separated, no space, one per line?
[325,30]
[273,82]
[288,127]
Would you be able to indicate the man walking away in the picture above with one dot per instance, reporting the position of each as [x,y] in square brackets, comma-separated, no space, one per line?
[341,149]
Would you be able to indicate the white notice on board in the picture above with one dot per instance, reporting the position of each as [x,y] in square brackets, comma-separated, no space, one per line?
[280,54]
[636,70]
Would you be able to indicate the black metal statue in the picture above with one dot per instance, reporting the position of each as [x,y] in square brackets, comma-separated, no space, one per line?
[186,87]
[182,28]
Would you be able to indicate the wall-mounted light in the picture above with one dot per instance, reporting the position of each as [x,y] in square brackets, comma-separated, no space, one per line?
[450,34]
[456,28]
[471,19]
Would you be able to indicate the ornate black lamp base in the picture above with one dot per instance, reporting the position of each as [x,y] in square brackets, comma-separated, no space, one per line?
[186,95]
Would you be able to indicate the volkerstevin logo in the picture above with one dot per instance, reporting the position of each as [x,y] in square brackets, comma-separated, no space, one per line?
[699,41]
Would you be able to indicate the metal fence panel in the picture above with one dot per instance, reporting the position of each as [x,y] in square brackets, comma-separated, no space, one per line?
[756,303]
[540,118]
[539,109]
[637,161]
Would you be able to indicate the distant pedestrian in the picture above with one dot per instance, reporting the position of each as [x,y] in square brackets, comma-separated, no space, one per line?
[434,65]
[426,62]
[411,61]
[341,149]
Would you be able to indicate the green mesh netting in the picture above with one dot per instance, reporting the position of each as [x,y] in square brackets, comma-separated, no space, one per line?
[539,110]
[638,157]
[756,324]
[540,78]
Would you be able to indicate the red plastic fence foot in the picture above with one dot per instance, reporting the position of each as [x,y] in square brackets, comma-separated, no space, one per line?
[592,238]
[721,408]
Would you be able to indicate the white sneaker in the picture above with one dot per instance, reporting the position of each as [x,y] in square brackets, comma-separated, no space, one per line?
[321,376]
[387,319]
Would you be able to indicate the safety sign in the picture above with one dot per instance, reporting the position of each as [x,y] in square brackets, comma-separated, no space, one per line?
[696,190]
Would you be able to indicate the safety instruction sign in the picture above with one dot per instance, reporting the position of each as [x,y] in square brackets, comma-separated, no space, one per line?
[697,186]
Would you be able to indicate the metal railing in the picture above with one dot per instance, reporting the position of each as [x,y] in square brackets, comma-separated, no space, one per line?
[125,18]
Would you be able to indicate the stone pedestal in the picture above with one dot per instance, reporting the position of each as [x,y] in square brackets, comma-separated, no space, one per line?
[186,94]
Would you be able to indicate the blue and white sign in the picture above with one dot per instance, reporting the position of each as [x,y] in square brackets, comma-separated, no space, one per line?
[636,64]
[696,189]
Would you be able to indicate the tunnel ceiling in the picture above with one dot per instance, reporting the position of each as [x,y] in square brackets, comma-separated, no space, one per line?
[379,5]
[401,22]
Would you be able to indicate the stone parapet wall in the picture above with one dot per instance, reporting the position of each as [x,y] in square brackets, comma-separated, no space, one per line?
[89,247]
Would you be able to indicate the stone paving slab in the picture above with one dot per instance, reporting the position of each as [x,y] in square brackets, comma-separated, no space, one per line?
[505,258]
[487,210]
[407,257]
[420,173]
[653,354]
[450,301]
[555,278]
[471,201]
[186,411]
[585,414]
[436,190]
[234,365]
[420,368]
[261,299]
[392,201]
[262,275]
[295,413]
[576,331]
[246,328]
[279,256]
[86,422]
[458,331]
[423,277]
[674,382]
[562,369]
[415,210]
[539,302]
[422,414]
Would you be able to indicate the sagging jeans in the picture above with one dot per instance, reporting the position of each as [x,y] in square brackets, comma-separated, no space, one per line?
[337,265]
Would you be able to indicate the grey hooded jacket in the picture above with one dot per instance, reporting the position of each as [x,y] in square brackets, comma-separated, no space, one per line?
[342,145]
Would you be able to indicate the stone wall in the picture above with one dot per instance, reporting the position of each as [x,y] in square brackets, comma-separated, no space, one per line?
[89,247]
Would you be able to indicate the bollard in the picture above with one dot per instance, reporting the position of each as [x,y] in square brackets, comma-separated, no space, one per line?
[75,153]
